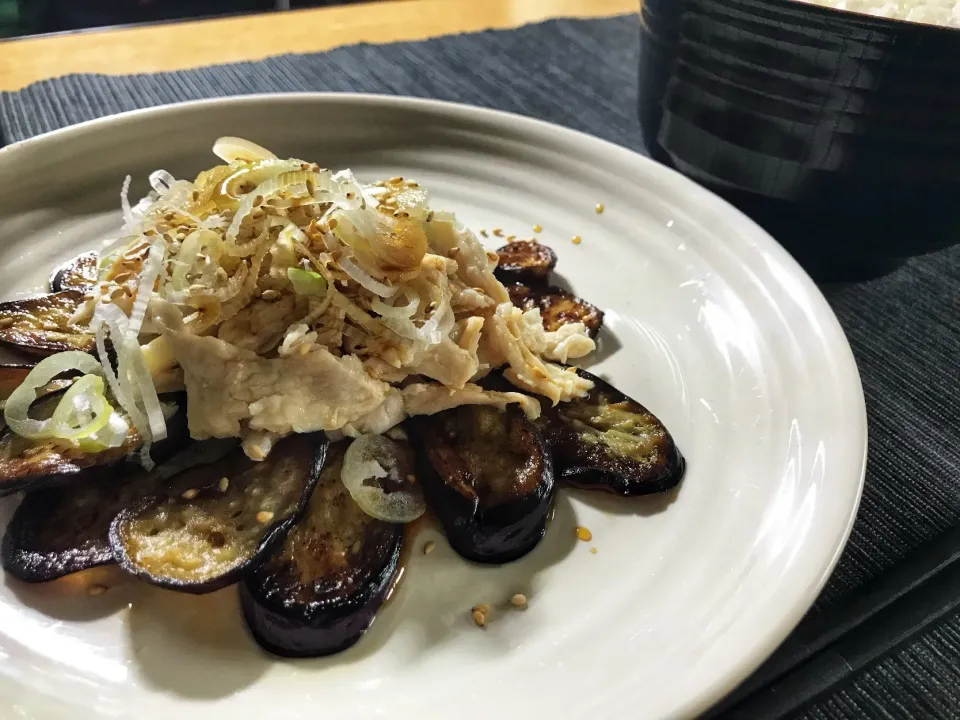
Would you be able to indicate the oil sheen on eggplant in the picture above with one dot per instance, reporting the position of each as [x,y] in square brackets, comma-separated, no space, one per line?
[488,477]
[80,273]
[525,260]
[41,325]
[32,464]
[59,531]
[212,523]
[608,441]
[320,589]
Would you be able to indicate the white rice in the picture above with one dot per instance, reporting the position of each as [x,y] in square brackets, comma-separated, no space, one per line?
[931,12]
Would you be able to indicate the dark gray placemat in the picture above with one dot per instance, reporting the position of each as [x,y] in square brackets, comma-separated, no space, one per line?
[583,74]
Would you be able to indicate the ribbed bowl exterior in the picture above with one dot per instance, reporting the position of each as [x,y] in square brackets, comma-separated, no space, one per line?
[838,132]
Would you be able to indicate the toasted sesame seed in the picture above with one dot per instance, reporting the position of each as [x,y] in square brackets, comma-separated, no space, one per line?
[583,534]
[599,208]
[483,233]
[258,200]
[223,484]
[481,607]
[537,228]
[189,494]
[51,326]
[95,590]
[428,547]
[430,216]
[6,322]
[519,600]
[411,478]
[577,240]
[332,223]
[593,550]
[396,180]
[498,232]
[511,238]
[351,196]
[479,618]
[269,295]
[264,516]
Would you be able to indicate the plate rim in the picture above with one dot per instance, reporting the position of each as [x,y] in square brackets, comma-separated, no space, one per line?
[799,603]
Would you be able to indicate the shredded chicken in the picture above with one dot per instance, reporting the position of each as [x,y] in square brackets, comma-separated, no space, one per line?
[424,399]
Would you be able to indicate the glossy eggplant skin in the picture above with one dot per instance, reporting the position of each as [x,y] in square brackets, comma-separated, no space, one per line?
[59,531]
[13,375]
[211,524]
[41,325]
[488,477]
[608,441]
[525,261]
[557,306]
[318,591]
[80,273]
[31,465]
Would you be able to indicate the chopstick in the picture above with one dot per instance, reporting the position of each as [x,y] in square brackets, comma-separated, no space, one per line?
[832,645]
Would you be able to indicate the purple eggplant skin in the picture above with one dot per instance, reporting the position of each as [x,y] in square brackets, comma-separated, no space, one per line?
[32,465]
[488,477]
[59,531]
[319,590]
[643,461]
[195,512]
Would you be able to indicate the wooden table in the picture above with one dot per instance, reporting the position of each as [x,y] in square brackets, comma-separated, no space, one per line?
[175,46]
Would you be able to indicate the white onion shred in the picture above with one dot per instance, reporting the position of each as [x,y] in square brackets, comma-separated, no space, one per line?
[161,181]
[125,201]
[374,286]
[148,276]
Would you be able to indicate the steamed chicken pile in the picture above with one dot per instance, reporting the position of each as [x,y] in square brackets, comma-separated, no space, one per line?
[287,298]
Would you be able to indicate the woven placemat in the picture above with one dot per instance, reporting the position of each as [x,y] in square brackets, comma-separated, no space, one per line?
[583,74]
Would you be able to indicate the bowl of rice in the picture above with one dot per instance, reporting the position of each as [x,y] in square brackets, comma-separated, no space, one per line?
[835,125]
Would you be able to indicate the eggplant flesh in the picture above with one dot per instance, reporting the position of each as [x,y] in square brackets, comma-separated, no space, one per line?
[525,260]
[488,477]
[557,306]
[80,273]
[41,325]
[58,531]
[318,591]
[608,441]
[212,523]
[33,464]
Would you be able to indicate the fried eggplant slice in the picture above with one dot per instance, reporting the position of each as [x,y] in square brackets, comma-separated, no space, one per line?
[320,589]
[33,464]
[488,477]
[59,531]
[525,260]
[608,441]
[557,307]
[212,523]
[41,325]
[12,376]
[77,274]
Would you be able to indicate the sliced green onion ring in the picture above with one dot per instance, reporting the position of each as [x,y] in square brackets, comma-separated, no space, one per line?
[83,411]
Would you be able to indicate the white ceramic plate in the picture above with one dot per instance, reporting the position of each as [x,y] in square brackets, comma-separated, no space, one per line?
[708,322]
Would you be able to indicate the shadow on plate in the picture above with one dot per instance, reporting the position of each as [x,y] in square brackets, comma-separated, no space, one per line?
[77,597]
[195,646]
[643,505]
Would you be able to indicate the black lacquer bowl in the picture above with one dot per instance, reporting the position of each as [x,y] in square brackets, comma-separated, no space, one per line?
[837,132]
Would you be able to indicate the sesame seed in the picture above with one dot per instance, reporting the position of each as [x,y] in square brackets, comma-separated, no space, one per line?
[396,180]
[498,232]
[411,478]
[537,228]
[223,484]
[479,618]
[50,326]
[583,534]
[189,494]
[593,550]
[6,322]
[483,232]
[481,607]
[511,238]
[332,223]
[430,216]
[519,600]
[428,547]
[269,295]
[95,590]
[264,516]
[577,240]
[351,196]
[599,208]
